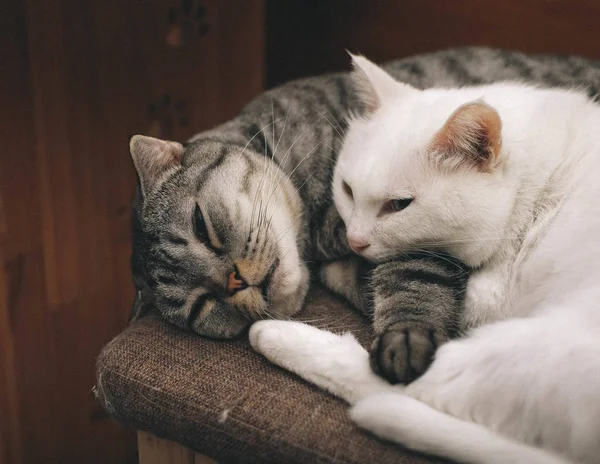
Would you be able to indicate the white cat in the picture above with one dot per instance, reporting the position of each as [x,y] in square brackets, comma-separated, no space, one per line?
[505,177]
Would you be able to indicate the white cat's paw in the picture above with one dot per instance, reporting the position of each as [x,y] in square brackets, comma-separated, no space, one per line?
[336,363]
[289,344]
[264,334]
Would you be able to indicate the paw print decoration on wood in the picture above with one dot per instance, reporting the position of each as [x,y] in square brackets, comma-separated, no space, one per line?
[187,22]
[166,116]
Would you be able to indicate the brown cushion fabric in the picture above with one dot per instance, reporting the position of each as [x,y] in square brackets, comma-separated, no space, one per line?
[224,400]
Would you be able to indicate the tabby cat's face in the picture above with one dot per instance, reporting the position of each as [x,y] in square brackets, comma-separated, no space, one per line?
[222,236]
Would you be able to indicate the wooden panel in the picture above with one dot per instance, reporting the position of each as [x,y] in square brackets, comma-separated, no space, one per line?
[25,356]
[388,29]
[154,450]
[241,68]
[9,421]
[76,80]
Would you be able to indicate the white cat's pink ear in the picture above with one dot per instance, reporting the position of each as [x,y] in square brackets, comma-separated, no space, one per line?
[152,157]
[374,85]
[471,136]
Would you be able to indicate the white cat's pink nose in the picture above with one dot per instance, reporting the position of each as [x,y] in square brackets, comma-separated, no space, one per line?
[358,244]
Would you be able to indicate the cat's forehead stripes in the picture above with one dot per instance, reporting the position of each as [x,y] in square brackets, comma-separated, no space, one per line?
[246,185]
[215,160]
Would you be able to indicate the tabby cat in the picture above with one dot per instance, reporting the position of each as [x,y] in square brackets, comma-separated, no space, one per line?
[226,226]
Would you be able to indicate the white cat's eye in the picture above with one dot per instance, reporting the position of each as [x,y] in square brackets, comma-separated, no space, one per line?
[347,189]
[393,206]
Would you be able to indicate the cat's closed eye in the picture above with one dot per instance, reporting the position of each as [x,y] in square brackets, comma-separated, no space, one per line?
[202,233]
[347,189]
[393,206]
[200,226]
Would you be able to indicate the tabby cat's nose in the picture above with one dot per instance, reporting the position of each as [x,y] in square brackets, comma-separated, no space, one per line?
[235,282]
[358,244]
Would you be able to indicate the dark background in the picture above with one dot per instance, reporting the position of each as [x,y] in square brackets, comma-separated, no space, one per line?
[77,78]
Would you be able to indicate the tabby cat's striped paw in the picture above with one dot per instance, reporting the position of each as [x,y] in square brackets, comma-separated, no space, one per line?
[404,352]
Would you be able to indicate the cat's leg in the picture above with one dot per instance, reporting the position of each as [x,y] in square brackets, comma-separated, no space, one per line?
[416,302]
[461,383]
[340,271]
[417,306]
[487,295]
[328,240]
[420,427]
[336,363]
[499,394]
[349,278]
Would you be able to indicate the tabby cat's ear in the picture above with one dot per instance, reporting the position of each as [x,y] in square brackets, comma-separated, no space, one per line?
[373,85]
[471,136]
[152,157]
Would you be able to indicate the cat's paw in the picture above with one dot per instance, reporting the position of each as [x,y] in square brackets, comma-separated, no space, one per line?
[270,335]
[288,344]
[336,363]
[403,352]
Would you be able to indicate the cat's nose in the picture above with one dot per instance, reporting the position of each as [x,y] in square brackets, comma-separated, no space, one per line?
[358,244]
[235,282]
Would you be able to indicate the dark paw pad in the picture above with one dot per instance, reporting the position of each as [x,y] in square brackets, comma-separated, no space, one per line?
[403,353]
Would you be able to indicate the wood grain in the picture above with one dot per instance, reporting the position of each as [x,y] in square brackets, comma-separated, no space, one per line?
[77,80]
[21,283]
[154,450]
[388,29]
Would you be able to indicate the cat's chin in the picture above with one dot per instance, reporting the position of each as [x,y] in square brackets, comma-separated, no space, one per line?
[377,257]
[287,291]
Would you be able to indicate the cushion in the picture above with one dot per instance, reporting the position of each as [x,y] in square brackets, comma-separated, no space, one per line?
[224,400]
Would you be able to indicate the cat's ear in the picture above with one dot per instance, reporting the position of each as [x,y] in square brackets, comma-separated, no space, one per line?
[471,136]
[152,157]
[373,85]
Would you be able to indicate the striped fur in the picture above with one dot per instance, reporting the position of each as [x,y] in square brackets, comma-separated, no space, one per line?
[285,143]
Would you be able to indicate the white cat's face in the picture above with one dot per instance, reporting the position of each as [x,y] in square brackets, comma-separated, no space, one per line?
[422,170]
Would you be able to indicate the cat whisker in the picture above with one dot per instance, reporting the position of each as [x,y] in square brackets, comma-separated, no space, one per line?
[336,129]
[337,122]
[289,150]
[267,171]
[273,122]
[441,243]
[282,130]
[267,165]
[311,321]
[253,137]
[442,257]
[289,175]
[258,198]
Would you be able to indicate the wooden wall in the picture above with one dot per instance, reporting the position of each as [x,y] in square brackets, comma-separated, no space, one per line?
[307,37]
[76,80]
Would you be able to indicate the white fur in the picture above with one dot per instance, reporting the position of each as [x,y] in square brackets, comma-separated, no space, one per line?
[335,363]
[338,364]
[524,386]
